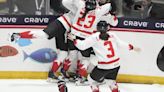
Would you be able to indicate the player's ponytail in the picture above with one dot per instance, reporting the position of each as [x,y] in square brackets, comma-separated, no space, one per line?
[104,36]
[102,27]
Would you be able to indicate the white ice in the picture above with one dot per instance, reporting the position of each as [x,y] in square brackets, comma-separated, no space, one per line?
[23,85]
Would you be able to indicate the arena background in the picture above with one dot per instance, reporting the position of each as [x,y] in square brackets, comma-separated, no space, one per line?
[146,32]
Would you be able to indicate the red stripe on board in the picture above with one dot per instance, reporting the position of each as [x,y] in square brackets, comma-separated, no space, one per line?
[113,29]
[22,26]
[138,30]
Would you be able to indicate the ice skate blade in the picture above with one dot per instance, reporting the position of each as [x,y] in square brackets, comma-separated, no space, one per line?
[63,79]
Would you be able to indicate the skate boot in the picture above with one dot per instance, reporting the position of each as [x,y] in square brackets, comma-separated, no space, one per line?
[62,86]
[82,81]
[52,77]
[64,75]
[73,77]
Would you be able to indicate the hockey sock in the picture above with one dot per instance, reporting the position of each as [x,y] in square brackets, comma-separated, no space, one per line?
[66,64]
[95,88]
[55,66]
[112,85]
[82,71]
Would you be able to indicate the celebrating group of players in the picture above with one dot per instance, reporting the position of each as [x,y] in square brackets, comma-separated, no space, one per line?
[85,29]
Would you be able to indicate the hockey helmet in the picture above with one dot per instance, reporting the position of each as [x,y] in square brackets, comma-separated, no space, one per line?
[90,5]
[102,26]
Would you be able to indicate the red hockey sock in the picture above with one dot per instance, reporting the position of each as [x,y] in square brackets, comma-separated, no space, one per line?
[95,88]
[67,64]
[114,88]
[55,66]
[82,71]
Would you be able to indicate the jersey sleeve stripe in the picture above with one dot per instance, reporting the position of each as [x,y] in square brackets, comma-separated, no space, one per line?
[66,21]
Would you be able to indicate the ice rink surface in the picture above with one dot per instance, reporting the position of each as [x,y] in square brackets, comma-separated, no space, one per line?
[22,85]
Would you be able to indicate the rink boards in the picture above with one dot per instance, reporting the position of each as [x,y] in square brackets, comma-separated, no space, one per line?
[142,67]
[135,67]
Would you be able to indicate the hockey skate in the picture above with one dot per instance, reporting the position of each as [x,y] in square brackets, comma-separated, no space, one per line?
[82,81]
[52,78]
[64,75]
[73,77]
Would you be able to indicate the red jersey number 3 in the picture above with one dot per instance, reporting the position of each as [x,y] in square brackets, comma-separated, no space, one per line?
[110,48]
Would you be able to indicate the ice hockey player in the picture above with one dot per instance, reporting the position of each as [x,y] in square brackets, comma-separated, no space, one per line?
[57,29]
[83,25]
[105,45]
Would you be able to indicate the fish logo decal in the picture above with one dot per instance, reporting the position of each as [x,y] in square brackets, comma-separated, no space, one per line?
[8,50]
[45,55]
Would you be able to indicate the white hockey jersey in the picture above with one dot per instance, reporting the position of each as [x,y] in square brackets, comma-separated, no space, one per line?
[67,18]
[110,19]
[84,27]
[105,51]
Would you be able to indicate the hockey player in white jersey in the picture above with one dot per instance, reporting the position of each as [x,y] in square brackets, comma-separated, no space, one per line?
[57,29]
[105,45]
[83,25]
